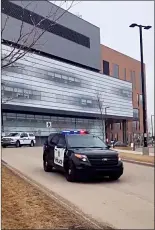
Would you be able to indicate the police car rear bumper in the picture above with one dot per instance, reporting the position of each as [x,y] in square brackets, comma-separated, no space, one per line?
[105,171]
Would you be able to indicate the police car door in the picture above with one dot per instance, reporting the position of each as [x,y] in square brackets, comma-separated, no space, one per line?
[59,152]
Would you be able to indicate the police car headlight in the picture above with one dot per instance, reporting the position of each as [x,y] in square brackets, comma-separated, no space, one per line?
[119,158]
[82,157]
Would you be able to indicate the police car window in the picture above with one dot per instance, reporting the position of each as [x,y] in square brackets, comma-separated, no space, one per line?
[25,135]
[55,139]
[85,141]
[31,134]
[62,141]
[50,137]
[22,135]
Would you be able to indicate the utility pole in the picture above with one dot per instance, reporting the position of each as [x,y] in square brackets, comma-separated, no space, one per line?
[152,130]
[145,149]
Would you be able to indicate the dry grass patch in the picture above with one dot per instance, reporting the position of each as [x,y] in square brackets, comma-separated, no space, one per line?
[25,207]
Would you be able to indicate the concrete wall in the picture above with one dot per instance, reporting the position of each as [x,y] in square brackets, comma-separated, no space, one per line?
[51,43]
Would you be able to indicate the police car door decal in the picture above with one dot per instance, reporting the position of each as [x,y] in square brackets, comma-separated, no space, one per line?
[59,156]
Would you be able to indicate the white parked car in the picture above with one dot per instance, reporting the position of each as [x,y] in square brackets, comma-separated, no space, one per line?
[18,139]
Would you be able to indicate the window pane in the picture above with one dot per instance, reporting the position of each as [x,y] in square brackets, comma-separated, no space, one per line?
[57,75]
[141,99]
[115,70]
[62,141]
[55,139]
[105,67]
[134,124]
[135,113]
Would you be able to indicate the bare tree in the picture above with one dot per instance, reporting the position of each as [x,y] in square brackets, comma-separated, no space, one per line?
[100,104]
[28,39]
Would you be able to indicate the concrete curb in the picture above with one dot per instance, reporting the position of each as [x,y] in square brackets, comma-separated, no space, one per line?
[63,202]
[137,162]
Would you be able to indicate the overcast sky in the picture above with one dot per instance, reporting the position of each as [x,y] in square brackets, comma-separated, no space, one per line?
[114,18]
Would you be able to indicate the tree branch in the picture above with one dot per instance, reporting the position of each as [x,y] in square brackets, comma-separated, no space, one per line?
[33,35]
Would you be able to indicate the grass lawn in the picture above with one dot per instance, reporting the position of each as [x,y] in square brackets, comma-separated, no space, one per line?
[137,157]
[26,207]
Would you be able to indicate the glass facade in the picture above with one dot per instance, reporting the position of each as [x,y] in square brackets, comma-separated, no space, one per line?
[40,82]
[37,124]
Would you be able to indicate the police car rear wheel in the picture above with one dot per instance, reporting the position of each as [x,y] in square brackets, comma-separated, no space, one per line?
[32,144]
[70,174]
[47,167]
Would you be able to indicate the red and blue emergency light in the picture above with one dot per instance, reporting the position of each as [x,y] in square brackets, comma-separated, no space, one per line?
[75,132]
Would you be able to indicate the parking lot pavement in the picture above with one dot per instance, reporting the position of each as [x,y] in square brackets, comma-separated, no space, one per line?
[125,204]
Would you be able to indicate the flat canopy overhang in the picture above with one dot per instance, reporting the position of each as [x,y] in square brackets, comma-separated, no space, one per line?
[52,112]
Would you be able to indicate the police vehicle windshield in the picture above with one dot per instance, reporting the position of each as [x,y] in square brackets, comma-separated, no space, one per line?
[85,141]
[12,134]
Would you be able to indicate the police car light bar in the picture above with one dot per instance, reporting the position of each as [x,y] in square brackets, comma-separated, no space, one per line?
[75,132]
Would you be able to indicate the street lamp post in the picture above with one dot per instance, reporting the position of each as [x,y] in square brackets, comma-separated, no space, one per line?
[152,130]
[143,81]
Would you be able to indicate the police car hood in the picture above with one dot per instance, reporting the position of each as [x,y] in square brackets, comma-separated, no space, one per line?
[96,151]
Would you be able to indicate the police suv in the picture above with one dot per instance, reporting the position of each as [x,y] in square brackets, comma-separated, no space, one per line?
[80,154]
[18,139]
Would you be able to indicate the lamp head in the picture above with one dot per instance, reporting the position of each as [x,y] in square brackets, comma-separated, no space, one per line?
[147,27]
[133,25]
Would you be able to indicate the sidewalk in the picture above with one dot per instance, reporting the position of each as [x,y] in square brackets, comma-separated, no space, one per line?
[133,152]
[136,157]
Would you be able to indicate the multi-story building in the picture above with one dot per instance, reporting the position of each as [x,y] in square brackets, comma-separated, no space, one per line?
[117,65]
[61,81]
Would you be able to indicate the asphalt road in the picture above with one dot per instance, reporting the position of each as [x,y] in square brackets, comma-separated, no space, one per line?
[125,204]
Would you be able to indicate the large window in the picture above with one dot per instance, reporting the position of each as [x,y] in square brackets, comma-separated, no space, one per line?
[134,124]
[118,125]
[116,70]
[136,113]
[141,99]
[14,93]
[106,67]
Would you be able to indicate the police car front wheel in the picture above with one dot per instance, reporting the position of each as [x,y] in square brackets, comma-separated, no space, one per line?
[17,144]
[70,173]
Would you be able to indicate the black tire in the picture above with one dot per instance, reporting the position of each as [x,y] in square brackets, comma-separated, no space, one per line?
[4,146]
[46,166]
[70,173]
[17,144]
[32,144]
[115,177]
